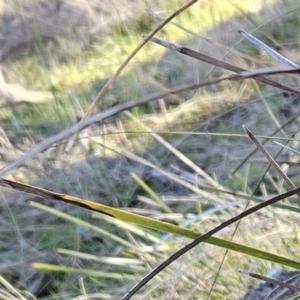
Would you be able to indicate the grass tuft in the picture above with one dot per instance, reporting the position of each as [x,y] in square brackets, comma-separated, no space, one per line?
[163,159]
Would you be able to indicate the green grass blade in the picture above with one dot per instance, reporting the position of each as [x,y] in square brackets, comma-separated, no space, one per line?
[155,224]
[88,272]
[147,189]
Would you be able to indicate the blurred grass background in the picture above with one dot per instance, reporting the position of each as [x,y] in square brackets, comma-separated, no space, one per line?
[55,57]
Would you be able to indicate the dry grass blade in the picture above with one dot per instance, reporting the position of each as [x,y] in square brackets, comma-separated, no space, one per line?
[218,63]
[169,175]
[214,43]
[269,71]
[125,106]
[286,147]
[271,280]
[110,82]
[195,54]
[237,225]
[269,166]
[182,157]
[106,114]
[269,158]
[205,236]
[267,49]
[99,117]
[11,289]
[263,142]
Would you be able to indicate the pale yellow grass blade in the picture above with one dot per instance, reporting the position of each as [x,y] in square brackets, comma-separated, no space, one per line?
[182,157]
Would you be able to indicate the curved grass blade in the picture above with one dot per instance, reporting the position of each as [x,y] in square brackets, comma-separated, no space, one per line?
[109,113]
[110,82]
[207,236]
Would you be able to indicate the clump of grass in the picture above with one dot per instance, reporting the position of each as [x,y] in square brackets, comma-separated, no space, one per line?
[178,177]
